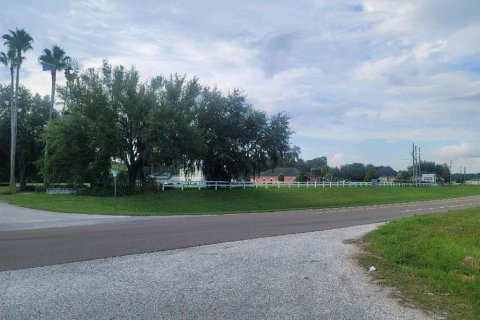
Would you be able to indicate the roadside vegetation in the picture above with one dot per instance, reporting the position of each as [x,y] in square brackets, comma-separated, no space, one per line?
[433,261]
[238,200]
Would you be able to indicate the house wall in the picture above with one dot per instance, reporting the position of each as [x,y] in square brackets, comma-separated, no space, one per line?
[475,182]
[387,179]
[274,179]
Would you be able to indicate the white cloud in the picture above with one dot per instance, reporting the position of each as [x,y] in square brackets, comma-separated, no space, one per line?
[462,150]
[339,159]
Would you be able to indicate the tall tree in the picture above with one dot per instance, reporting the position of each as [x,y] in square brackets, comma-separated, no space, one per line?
[72,70]
[86,141]
[32,118]
[174,137]
[239,139]
[57,61]
[353,171]
[131,101]
[19,41]
[9,61]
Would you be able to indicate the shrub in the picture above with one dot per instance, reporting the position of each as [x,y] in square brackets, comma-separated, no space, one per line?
[40,189]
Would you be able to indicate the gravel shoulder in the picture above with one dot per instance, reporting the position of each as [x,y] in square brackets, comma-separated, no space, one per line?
[299,276]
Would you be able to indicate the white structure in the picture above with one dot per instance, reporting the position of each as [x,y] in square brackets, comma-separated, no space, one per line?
[387,178]
[429,177]
[195,176]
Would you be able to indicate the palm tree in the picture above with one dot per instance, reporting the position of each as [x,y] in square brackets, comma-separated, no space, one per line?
[18,41]
[8,60]
[56,60]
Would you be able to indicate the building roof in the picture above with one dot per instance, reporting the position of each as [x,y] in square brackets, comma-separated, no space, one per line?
[275,172]
[386,172]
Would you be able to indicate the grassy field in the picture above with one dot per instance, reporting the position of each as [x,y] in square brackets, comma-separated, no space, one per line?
[238,200]
[433,261]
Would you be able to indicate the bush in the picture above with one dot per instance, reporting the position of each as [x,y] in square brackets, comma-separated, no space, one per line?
[30,188]
[281,177]
[301,178]
[40,189]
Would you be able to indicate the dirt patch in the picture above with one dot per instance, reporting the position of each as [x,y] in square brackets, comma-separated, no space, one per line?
[351,241]
[471,262]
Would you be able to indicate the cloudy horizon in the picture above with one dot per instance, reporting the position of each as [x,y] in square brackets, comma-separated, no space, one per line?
[361,80]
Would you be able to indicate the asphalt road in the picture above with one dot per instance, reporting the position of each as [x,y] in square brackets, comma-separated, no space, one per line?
[298,276]
[43,247]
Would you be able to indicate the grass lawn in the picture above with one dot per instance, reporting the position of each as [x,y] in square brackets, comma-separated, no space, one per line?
[237,200]
[433,261]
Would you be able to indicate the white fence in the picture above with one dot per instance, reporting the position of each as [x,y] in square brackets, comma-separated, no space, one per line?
[326,184]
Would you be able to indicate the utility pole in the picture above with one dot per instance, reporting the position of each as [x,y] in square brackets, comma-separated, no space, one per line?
[450,171]
[413,162]
[419,165]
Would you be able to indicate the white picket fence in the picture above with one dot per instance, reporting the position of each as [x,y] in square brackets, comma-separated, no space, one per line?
[326,184]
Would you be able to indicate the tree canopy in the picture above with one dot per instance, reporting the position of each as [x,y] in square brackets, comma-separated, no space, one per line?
[168,122]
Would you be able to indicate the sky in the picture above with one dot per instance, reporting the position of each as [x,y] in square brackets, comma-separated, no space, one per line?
[361,80]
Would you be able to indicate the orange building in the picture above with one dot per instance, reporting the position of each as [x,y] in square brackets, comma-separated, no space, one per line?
[271,176]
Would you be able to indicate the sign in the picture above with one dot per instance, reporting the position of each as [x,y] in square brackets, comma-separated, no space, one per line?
[60,191]
[114,174]
[429,177]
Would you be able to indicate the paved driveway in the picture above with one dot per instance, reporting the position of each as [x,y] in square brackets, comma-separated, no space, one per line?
[20,218]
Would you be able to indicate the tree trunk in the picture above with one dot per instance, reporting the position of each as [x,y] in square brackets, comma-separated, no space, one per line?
[23,168]
[13,120]
[52,105]
[132,177]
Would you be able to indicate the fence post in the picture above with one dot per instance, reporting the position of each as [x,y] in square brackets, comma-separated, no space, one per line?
[315,184]
[298,184]
[182,186]
[243,185]
[215,185]
[163,187]
[307,184]
[278,184]
[289,184]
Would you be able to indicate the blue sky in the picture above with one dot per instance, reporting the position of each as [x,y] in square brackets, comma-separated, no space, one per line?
[361,80]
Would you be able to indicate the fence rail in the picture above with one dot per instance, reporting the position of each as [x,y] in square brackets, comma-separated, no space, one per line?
[324,184]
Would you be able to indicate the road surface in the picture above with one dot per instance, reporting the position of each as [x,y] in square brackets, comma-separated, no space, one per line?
[43,247]
[298,276]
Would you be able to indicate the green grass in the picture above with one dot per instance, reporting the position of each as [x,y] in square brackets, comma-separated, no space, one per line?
[433,261]
[237,200]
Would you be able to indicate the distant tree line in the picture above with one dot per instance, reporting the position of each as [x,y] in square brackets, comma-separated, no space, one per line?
[317,169]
